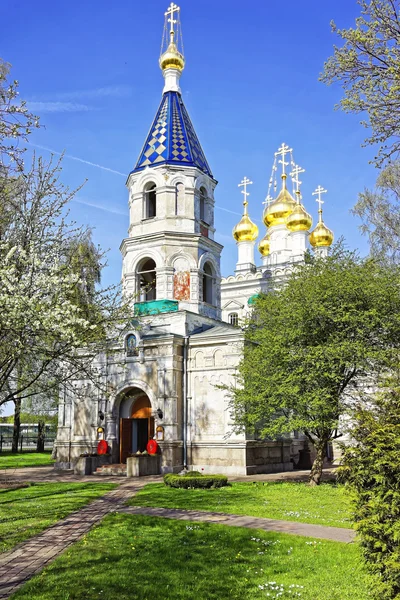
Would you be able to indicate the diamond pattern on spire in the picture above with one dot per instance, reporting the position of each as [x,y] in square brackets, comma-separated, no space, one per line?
[172,138]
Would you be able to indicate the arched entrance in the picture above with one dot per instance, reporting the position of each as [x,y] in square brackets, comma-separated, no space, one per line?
[136,425]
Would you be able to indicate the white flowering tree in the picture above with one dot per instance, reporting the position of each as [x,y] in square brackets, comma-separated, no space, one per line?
[16,122]
[54,316]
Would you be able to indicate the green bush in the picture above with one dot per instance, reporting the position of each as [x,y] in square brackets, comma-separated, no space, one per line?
[194,480]
[371,468]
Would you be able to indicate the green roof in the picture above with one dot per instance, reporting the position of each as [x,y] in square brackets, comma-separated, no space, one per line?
[155,307]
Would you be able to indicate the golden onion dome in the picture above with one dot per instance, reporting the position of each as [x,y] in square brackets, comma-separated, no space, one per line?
[279,210]
[172,58]
[322,236]
[264,245]
[299,220]
[245,230]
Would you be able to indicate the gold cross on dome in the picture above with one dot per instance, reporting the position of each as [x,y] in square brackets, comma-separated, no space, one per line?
[282,151]
[173,8]
[295,176]
[244,183]
[320,190]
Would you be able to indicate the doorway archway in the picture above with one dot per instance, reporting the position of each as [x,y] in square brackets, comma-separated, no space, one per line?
[137,428]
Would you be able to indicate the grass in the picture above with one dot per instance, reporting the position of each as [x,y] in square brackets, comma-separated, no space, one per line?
[26,459]
[28,511]
[327,504]
[142,558]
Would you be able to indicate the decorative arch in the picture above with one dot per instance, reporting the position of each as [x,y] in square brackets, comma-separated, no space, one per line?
[208,257]
[148,253]
[148,176]
[199,359]
[219,358]
[180,194]
[129,384]
[181,254]
[179,177]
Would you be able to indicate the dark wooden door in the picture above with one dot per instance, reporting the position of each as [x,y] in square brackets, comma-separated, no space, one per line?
[125,439]
[142,433]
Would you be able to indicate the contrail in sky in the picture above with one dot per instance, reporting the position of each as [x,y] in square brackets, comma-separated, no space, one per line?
[86,162]
[114,211]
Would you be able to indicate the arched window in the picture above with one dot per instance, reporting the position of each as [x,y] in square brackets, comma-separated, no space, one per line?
[208,284]
[234,319]
[146,280]
[180,199]
[203,205]
[150,201]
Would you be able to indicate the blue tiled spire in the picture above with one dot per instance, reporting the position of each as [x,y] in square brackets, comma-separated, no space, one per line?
[172,139]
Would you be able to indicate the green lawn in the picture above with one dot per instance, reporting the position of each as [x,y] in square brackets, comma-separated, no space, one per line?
[26,512]
[326,504]
[26,459]
[143,558]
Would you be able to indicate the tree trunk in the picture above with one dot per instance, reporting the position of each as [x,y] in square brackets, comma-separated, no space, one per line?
[316,469]
[17,424]
[40,437]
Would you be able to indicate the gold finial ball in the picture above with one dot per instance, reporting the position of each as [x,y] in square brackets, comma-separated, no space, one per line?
[245,230]
[172,58]
[299,220]
[278,211]
[321,237]
[264,246]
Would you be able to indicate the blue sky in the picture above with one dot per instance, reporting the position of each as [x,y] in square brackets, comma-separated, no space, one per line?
[90,70]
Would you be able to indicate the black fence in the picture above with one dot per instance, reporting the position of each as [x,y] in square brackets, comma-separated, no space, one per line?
[26,442]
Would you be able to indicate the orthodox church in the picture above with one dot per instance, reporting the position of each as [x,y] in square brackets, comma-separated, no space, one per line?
[163,374]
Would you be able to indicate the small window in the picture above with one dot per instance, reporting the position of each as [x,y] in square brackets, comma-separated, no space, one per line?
[208,284]
[203,205]
[150,201]
[146,278]
[180,199]
[234,319]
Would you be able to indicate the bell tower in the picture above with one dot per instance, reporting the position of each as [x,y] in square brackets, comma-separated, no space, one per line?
[170,253]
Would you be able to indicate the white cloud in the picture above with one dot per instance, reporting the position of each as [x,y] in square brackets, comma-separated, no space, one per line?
[57,107]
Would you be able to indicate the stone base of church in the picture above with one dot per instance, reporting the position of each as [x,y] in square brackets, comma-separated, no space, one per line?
[246,458]
[171,456]
[228,458]
[68,453]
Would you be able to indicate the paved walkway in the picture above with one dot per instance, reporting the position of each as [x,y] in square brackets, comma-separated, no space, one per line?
[336,534]
[30,557]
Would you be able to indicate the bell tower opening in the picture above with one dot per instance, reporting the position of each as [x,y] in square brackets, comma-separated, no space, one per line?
[146,280]
[150,201]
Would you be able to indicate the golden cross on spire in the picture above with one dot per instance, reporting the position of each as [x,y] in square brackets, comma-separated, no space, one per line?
[282,151]
[173,8]
[244,183]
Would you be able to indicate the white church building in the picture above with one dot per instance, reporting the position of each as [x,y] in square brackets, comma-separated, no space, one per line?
[163,373]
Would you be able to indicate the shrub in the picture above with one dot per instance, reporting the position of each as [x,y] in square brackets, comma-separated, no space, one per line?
[371,469]
[195,481]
